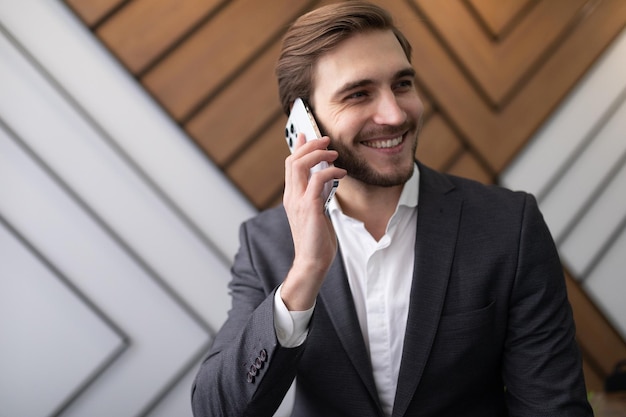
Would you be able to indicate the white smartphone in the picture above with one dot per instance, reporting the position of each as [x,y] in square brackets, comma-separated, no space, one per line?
[301,120]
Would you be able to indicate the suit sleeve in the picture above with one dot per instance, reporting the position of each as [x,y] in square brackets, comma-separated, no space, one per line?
[542,365]
[246,372]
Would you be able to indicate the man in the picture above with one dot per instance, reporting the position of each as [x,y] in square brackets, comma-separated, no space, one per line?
[417,294]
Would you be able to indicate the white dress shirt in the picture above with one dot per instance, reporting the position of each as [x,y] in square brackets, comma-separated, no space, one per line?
[380,276]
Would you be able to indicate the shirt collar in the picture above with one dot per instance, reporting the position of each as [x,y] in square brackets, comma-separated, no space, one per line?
[410,192]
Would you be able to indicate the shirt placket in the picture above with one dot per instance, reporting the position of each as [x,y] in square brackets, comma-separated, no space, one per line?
[377,319]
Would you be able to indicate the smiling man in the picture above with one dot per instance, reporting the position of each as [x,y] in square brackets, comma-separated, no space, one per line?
[416,293]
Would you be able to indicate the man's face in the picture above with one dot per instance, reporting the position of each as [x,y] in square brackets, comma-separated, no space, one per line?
[364,98]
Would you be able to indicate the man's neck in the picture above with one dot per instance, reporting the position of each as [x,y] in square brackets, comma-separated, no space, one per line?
[372,205]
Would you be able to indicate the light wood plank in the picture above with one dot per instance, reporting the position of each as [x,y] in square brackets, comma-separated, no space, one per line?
[205,61]
[230,120]
[595,334]
[144,29]
[498,15]
[468,166]
[260,172]
[498,67]
[438,145]
[92,11]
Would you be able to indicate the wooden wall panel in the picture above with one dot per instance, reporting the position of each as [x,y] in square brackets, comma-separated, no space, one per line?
[497,15]
[131,33]
[497,67]
[489,72]
[94,11]
[438,143]
[251,105]
[601,345]
[207,60]
[261,171]
[468,165]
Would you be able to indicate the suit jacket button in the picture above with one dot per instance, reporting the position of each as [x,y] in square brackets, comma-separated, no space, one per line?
[250,378]
[253,370]
[263,355]
[258,363]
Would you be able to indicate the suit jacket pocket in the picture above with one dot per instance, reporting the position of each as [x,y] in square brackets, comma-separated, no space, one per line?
[466,345]
[468,321]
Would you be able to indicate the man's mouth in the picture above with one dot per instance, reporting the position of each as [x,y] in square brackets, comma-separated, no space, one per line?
[383,144]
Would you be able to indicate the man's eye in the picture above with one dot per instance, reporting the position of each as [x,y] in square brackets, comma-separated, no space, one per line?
[405,84]
[357,95]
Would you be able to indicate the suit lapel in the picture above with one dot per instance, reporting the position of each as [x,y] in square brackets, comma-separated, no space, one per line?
[438,218]
[337,299]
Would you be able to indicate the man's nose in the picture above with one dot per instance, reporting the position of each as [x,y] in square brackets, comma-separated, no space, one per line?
[388,110]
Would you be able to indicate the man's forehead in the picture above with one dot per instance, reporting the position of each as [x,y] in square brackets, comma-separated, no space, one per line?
[365,57]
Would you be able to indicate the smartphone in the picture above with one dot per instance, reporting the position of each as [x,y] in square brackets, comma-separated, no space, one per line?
[301,120]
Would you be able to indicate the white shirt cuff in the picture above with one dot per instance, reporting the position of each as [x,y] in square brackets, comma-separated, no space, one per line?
[292,327]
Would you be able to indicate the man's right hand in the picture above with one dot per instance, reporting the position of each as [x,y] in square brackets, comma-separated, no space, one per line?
[314,238]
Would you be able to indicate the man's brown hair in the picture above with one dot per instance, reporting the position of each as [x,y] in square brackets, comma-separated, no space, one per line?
[318,32]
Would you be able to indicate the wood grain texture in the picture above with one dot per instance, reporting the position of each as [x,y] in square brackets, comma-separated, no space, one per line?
[496,66]
[595,333]
[143,30]
[239,114]
[438,143]
[207,60]
[498,15]
[93,11]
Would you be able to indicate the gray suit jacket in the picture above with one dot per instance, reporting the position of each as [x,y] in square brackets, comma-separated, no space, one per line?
[489,332]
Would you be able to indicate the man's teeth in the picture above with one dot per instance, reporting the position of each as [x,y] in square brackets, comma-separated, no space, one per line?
[381,144]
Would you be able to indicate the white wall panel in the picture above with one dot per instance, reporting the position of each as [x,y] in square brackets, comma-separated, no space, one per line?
[176,399]
[134,122]
[564,133]
[576,165]
[586,173]
[163,337]
[585,243]
[45,349]
[107,192]
[607,287]
[76,152]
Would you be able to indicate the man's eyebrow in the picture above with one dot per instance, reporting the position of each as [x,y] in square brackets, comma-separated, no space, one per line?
[353,85]
[405,72]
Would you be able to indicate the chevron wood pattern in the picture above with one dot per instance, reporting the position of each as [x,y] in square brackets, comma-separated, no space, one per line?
[490,73]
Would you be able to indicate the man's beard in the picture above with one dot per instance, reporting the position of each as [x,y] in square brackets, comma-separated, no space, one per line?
[359,169]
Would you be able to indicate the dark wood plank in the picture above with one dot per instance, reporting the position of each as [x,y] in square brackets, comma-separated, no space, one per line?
[594,381]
